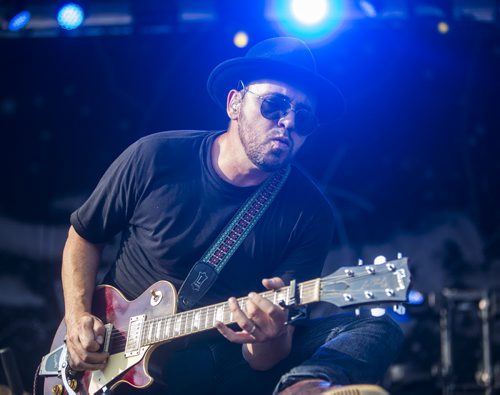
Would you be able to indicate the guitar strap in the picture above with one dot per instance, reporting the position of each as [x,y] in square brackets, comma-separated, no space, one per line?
[204,272]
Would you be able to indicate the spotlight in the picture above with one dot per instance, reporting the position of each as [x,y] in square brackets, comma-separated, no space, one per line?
[70,16]
[311,20]
[309,12]
[19,21]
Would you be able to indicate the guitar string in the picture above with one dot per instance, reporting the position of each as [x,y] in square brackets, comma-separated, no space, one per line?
[119,339]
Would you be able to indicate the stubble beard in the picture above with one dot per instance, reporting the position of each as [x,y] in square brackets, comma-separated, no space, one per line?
[264,159]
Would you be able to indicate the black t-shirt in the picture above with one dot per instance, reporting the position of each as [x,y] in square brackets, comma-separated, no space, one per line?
[165,197]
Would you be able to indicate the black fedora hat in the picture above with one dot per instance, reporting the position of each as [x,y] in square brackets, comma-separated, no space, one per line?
[284,59]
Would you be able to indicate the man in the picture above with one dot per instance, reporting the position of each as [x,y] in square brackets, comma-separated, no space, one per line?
[172,193]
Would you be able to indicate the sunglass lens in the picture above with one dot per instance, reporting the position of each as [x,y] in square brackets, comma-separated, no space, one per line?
[305,122]
[273,108]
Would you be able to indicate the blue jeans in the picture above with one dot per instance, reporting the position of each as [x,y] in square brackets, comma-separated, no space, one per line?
[341,349]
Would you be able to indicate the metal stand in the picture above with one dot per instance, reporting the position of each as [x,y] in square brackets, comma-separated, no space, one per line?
[456,303]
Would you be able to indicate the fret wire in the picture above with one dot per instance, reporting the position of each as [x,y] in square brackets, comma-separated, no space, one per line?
[195,320]
[150,331]
[187,327]
[161,321]
[183,323]
[165,331]
[189,319]
[176,326]
[198,320]
[206,317]
[171,327]
[156,336]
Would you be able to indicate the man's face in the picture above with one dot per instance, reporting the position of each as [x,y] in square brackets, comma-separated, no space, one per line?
[270,144]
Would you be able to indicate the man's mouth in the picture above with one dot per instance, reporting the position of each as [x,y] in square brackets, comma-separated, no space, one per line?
[282,142]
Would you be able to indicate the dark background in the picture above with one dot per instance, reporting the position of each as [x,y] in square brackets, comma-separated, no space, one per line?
[413,166]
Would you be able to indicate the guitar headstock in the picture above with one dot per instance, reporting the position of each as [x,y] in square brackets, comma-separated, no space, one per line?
[367,284]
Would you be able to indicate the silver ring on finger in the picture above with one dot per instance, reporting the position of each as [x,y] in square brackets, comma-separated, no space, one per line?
[253,329]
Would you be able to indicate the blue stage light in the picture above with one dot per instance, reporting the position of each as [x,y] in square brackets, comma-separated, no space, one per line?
[415,297]
[70,16]
[310,20]
[368,8]
[19,21]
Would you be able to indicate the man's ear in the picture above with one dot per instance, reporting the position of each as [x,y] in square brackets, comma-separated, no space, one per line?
[233,104]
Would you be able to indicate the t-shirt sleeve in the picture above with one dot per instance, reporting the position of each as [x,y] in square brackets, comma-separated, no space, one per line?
[111,205]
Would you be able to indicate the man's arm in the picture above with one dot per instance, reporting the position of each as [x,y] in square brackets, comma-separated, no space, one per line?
[265,337]
[85,332]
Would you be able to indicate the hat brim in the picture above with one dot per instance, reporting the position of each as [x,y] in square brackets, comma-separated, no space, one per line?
[224,77]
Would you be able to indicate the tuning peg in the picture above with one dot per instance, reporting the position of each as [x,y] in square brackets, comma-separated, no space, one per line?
[360,262]
[370,269]
[400,255]
[379,260]
[399,309]
[369,295]
[377,311]
[391,267]
[347,297]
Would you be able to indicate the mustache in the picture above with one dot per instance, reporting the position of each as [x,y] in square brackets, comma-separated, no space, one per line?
[281,135]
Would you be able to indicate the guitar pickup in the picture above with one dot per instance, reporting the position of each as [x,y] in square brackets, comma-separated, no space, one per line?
[133,346]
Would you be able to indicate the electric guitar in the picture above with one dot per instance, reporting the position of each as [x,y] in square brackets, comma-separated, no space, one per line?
[135,328]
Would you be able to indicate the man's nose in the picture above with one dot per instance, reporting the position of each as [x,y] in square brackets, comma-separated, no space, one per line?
[287,120]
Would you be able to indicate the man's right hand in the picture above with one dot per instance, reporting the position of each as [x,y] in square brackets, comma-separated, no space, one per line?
[84,339]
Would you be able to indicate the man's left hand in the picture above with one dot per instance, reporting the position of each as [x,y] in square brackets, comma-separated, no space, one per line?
[261,321]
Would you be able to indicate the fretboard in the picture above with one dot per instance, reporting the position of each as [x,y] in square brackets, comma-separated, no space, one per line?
[202,319]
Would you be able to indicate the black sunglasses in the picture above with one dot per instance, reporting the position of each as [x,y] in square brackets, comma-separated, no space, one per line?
[275,106]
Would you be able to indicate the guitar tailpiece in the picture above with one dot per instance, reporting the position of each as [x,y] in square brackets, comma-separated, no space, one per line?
[65,371]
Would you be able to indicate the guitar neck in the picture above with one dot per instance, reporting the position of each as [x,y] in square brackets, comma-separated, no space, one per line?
[162,329]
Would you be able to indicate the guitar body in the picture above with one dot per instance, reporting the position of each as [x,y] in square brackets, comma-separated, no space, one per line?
[112,307]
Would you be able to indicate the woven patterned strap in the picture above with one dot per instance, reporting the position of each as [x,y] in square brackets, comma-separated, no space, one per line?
[242,223]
